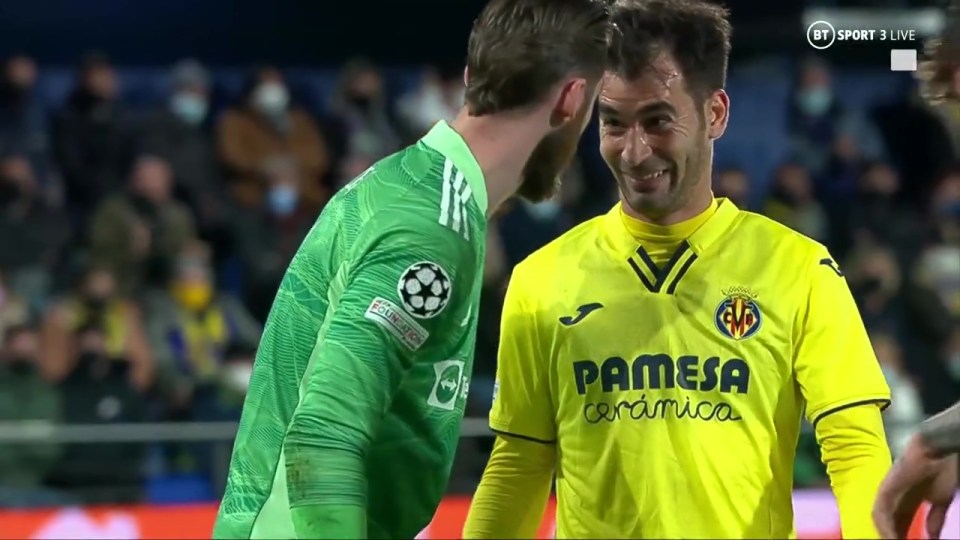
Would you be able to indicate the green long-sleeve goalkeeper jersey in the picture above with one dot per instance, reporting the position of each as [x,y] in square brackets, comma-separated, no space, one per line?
[361,377]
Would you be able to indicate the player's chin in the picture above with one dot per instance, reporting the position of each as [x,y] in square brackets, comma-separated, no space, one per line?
[648,203]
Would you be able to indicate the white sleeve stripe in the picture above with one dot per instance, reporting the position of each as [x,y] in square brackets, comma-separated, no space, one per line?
[457,200]
[464,198]
[445,196]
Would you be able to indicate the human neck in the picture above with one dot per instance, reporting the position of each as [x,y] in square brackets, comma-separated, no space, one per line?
[502,144]
[699,202]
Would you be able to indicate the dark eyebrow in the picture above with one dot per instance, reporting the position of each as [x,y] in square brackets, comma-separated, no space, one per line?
[606,110]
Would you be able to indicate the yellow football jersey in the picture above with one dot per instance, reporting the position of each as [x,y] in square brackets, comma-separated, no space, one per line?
[675,395]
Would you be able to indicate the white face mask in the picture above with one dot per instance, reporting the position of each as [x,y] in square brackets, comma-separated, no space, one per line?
[271,98]
[544,211]
[237,376]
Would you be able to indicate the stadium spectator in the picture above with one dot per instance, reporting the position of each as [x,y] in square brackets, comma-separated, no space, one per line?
[265,127]
[939,264]
[837,185]
[26,396]
[33,232]
[96,303]
[525,227]
[816,118]
[13,309]
[220,401]
[138,232]
[265,238]
[733,183]
[439,96]
[191,326]
[359,110]
[880,216]
[906,409]
[23,121]
[792,203]
[98,390]
[876,279]
[177,133]
[92,136]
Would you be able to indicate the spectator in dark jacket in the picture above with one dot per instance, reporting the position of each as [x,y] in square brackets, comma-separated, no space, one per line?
[92,136]
[138,232]
[26,397]
[267,237]
[177,133]
[33,233]
[98,391]
[23,121]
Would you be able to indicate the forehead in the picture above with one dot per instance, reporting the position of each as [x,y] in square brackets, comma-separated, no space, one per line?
[662,81]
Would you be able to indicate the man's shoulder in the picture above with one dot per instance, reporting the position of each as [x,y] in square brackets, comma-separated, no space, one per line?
[766,235]
[416,190]
[569,245]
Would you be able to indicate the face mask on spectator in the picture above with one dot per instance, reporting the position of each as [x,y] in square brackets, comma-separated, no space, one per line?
[544,211]
[815,101]
[189,107]
[282,200]
[271,98]
[238,375]
[193,296]
[361,101]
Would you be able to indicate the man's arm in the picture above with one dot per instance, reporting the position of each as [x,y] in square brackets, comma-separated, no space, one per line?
[513,492]
[366,346]
[845,391]
[941,433]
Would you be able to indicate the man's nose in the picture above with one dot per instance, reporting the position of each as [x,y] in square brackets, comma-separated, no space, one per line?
[636,148]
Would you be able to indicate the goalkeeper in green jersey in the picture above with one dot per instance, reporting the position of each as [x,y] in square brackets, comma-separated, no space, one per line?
[353,413]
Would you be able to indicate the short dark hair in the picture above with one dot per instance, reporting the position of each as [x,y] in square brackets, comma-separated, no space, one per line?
[520,49]
[695,32]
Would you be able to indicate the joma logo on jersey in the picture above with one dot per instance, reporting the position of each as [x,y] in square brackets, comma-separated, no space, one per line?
[653,371]
[738,316]
[660,371]
[450,383]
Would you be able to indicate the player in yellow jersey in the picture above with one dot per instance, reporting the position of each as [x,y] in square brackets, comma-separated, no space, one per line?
[659,359]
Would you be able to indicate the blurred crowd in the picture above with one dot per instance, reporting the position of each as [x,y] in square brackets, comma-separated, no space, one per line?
[140,247]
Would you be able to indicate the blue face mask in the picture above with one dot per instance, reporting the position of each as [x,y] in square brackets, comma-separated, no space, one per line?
[544,211]
[815,101]
[282,200]
[191,108]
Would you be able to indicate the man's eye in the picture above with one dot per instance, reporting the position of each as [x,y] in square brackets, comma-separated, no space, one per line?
[610,122]
[658,122]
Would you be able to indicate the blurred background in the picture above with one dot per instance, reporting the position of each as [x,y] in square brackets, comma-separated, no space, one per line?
[161,161]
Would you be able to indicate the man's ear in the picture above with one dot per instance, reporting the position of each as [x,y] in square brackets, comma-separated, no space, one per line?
[718,113]
[569,102]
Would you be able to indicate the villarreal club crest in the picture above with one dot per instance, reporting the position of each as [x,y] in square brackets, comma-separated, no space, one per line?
[738,316]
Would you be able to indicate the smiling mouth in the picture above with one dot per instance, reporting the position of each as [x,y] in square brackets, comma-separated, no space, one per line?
[651,176]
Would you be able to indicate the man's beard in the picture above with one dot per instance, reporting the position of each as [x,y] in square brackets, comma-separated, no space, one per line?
[541,175]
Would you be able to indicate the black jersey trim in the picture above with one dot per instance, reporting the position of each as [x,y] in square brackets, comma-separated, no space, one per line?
[524,437]
[660,275]
[884,403]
